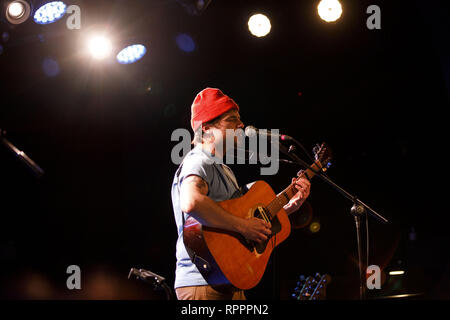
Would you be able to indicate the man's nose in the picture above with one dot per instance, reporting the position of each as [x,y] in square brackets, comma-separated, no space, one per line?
[240,125]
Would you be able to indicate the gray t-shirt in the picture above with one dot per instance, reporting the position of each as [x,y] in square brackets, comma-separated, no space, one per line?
[222,185]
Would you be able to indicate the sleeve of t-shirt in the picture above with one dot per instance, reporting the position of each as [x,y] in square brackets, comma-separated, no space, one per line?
[199,166]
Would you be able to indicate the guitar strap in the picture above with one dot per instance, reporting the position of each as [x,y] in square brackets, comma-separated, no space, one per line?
[228,173]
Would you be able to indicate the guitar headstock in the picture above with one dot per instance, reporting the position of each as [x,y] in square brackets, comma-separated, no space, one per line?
[311,288]
[322,153]
[304,289]
[321,287]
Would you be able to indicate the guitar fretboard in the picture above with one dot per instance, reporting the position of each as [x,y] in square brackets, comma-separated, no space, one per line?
[283,197]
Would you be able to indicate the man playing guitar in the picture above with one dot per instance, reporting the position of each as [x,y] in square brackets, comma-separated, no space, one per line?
[200,183]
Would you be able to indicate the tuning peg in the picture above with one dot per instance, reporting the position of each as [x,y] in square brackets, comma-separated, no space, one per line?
[316,149]
[317,275]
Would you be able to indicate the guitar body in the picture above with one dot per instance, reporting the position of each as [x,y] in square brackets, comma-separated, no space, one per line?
[224,257]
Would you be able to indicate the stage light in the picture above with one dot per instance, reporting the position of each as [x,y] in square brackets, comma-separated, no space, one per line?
[131,54]
[100,47]
[50,12]
[329,10]
[396,273]
[259,25]
[18,11]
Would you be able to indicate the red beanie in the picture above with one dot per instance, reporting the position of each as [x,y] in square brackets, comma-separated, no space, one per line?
[209,104]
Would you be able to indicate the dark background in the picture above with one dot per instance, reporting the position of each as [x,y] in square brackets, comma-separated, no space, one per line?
[101,131]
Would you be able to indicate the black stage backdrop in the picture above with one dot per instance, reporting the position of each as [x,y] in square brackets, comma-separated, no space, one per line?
[101,131]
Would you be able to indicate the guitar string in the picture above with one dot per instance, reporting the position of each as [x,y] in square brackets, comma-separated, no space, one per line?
[285,192]
[270,207]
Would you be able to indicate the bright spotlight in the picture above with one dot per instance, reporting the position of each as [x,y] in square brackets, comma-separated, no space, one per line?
[396,272]
[259,25]
[50,12]
[131,54]
[329,10]
[18,11]
[100,47]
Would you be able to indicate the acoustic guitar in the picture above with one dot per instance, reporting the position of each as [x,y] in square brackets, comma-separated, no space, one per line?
[224,257]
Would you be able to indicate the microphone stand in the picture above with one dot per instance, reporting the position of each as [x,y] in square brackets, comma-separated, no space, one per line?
[359,213]
[154,279]
[358,210]
[37,171]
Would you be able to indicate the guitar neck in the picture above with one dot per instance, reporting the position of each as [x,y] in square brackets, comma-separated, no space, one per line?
[283,197]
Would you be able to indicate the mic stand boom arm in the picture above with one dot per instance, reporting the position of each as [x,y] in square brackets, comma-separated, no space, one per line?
[346,194]
[37,171]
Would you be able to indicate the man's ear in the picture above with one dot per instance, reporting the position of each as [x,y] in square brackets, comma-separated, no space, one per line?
[206,131]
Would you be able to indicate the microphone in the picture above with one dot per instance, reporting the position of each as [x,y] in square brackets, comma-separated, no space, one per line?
[251,131]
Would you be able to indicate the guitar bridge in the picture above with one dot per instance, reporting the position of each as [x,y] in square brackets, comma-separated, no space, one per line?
[263,214]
